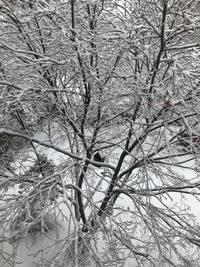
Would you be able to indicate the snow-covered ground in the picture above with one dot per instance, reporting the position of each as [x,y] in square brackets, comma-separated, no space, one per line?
[52,245]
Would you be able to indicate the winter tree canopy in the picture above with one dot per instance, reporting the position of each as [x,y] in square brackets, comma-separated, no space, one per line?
[99,132]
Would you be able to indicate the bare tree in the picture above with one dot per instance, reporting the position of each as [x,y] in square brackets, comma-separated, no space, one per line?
[99,125]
